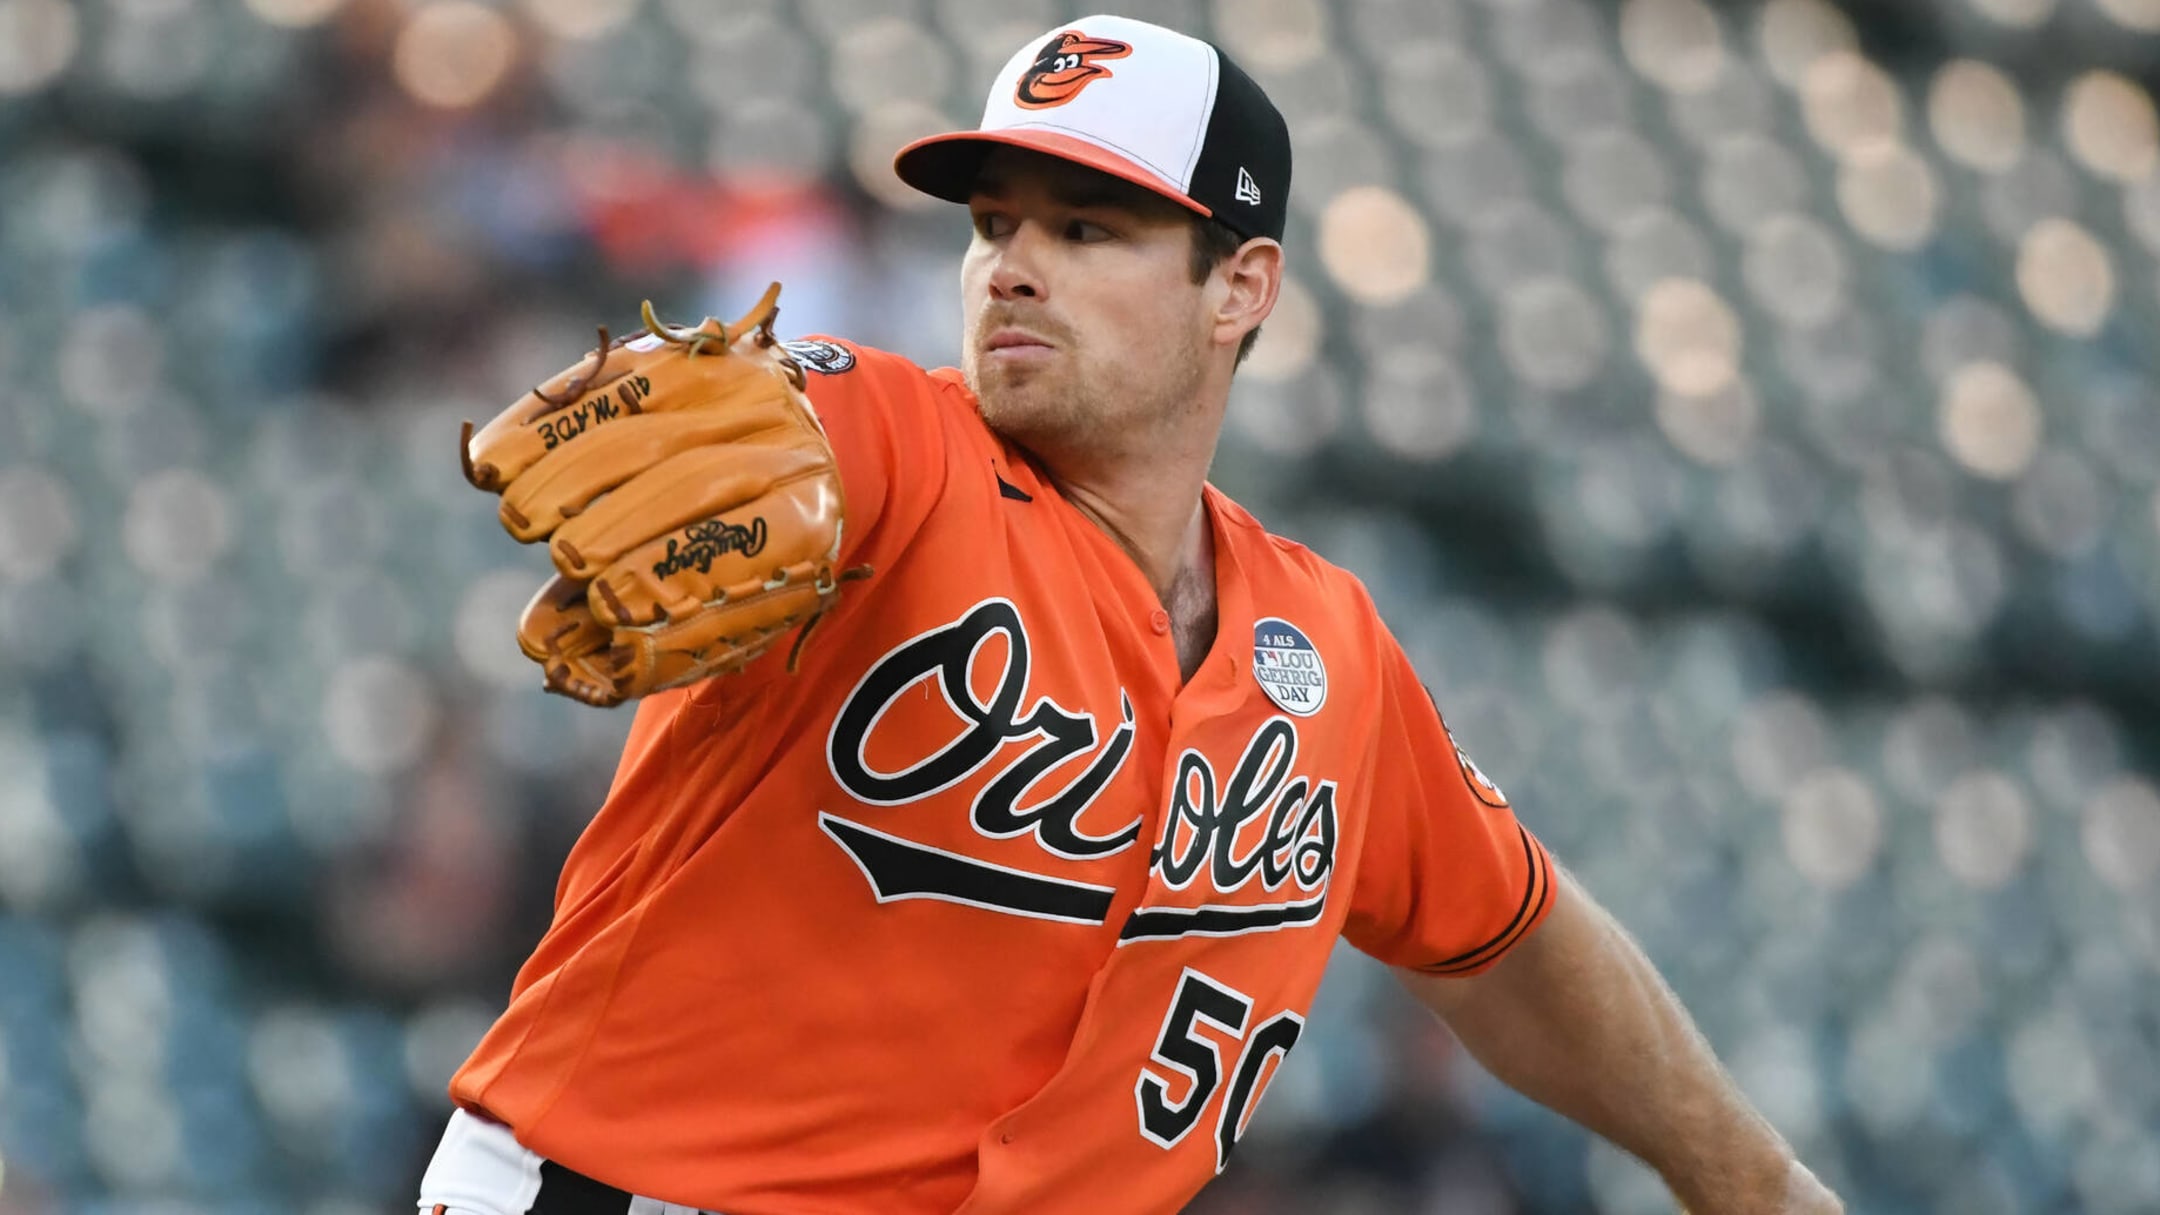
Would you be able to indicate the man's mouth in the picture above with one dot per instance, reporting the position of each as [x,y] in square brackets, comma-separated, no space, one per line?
[1014,339]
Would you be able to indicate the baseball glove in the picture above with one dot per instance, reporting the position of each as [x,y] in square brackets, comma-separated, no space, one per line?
[688,498]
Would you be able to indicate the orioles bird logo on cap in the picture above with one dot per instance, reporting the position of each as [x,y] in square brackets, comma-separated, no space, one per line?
[1063,67]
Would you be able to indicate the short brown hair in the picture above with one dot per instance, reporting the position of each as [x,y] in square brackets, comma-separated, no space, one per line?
[1212,243]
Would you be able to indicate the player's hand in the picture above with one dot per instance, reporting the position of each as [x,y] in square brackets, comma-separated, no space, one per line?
[688,497]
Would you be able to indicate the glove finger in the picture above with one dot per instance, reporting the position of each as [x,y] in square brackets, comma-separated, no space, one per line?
[646,375]
[589,381]
[717,641]
[704,484]
[566,480]
[788,535]
[576,653]
[581,679]
[557,624]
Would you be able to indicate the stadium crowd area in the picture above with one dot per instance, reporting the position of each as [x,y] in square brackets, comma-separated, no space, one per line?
[1748,415]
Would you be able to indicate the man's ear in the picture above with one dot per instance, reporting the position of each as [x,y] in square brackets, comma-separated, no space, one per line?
[1252,279]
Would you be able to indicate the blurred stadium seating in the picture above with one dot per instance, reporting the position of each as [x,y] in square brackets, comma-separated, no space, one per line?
[1748,415]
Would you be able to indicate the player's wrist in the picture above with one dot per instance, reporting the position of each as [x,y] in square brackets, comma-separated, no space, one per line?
[1807,1195]
[1788,1188]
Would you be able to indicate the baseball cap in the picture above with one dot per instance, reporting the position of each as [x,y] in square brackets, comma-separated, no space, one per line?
[1162,110]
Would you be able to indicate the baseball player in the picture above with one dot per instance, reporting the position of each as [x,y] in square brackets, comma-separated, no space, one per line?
[998,788]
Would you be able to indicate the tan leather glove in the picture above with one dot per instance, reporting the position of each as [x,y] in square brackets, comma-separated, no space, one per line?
[688,497]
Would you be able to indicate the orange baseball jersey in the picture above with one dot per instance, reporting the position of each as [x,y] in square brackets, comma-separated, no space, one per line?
[981,910]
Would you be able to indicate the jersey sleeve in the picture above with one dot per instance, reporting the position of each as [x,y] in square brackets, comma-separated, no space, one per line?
[614,832]
[1448,881]
[886,418]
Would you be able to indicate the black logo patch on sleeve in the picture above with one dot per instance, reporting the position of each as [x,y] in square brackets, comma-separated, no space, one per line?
[1480,784]
[826,358]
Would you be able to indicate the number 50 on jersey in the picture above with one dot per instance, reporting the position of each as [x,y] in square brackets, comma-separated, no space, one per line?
[1187,1061]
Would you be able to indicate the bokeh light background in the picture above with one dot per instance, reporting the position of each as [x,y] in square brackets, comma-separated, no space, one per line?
[1749,415]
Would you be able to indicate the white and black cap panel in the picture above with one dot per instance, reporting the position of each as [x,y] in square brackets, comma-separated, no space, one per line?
[1243,176]
[1156,115]
[1158,108]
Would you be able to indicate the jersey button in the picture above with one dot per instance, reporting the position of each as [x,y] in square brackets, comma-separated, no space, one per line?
[1005,1137]
[1159,620]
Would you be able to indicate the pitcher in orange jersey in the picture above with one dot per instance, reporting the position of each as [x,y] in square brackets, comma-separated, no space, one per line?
[1013,898]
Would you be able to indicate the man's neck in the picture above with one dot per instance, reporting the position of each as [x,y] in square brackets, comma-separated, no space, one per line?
[1154,511]
[1143,486]
[1173,542]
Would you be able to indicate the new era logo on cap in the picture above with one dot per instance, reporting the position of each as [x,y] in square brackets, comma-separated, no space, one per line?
[1147,104]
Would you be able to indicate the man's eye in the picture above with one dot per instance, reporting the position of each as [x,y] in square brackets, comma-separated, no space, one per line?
[1083,231]
[991,225]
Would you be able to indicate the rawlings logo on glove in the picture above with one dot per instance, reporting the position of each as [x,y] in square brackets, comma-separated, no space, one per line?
[703,543]
[688,498]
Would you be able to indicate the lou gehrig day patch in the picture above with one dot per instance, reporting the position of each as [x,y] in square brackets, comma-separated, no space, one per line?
[1288,667]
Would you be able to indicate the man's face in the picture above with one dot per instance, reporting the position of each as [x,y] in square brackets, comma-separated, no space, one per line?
[1083,325]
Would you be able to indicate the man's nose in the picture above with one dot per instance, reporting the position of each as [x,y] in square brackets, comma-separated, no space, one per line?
[1017,273]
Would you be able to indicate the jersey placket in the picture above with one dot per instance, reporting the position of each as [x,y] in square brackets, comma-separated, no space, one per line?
[1106,1062]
